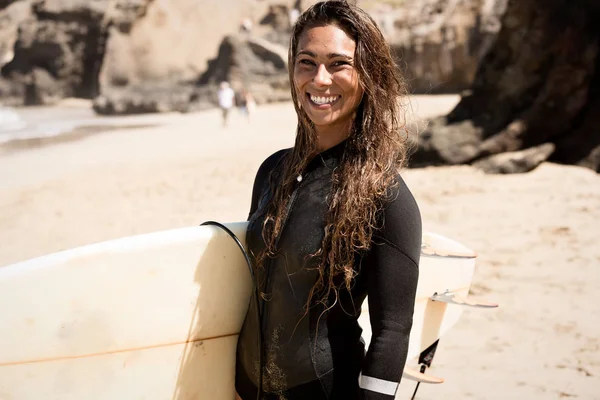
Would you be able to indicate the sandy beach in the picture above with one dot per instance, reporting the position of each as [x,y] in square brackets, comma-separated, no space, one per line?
[536,234]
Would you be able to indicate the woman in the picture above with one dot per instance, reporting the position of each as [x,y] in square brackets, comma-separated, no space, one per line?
[331,222]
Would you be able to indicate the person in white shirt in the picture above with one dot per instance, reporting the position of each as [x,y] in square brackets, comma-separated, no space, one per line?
[293,15]
[226,100]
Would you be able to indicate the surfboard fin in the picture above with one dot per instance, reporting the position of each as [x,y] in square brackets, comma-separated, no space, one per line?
[451,298]
[420,377]
[425,360]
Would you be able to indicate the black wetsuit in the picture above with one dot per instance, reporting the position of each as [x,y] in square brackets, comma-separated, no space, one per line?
[321,355]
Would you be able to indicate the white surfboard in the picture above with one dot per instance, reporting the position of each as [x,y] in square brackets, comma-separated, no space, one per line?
[156,316]
[445,266]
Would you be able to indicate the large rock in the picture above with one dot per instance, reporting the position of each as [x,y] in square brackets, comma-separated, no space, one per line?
[246,62]
[442,143]
[439,43]
[515,162]
[11,17]
[59,48]
[538,84]
[252,63]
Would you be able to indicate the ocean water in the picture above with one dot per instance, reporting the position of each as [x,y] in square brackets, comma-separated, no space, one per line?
[10,124]
[40,122]
[17,124]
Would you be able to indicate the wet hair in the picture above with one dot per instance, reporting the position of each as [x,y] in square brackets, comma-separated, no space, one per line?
[374,151]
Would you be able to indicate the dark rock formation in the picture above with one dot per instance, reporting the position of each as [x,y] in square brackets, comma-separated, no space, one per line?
[66,48]
[6,3]
[11,17]
[539,83]
[516,161]
[59,49]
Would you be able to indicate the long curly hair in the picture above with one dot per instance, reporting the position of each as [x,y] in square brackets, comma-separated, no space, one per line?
[374,151]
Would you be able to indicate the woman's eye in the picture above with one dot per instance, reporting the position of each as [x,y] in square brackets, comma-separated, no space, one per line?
[306,62]
[340,63]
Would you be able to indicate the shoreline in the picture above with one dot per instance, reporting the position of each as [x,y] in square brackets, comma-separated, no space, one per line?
[74,119]
[76,134]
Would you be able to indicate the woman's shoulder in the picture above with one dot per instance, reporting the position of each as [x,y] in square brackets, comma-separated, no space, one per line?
[271,163]
[399,192]
[402,223]
[273,160]
[400,200]
[261,181]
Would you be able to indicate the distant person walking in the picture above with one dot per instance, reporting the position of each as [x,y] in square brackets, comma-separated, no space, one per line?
[294,15]
[247,104]
[226,100]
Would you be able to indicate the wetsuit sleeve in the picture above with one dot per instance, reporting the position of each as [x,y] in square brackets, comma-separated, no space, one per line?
[392,275]
[261,181]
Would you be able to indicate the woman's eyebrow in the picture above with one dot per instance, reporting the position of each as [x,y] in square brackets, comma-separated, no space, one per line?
[330,55]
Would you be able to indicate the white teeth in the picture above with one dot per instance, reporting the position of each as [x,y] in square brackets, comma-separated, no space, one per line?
[323,100]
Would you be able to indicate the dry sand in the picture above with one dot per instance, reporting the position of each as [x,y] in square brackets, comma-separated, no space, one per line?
[536,234]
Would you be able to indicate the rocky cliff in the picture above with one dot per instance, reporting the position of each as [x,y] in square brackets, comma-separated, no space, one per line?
[52,49]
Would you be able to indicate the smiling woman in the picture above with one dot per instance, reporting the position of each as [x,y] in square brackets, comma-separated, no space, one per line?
[327,82]
[331,221]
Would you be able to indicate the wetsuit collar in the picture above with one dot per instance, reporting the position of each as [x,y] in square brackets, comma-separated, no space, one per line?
[329,158]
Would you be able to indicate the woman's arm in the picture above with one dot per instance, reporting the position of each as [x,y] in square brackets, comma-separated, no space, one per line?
[392,274]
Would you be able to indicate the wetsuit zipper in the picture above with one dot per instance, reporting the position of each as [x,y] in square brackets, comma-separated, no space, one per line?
[268,269]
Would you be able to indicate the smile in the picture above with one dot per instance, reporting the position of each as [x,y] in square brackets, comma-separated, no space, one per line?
[322,100]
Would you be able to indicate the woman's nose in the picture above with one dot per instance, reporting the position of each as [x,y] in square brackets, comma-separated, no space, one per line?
[322,76]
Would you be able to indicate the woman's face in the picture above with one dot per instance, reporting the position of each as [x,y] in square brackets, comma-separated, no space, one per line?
[326,81]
